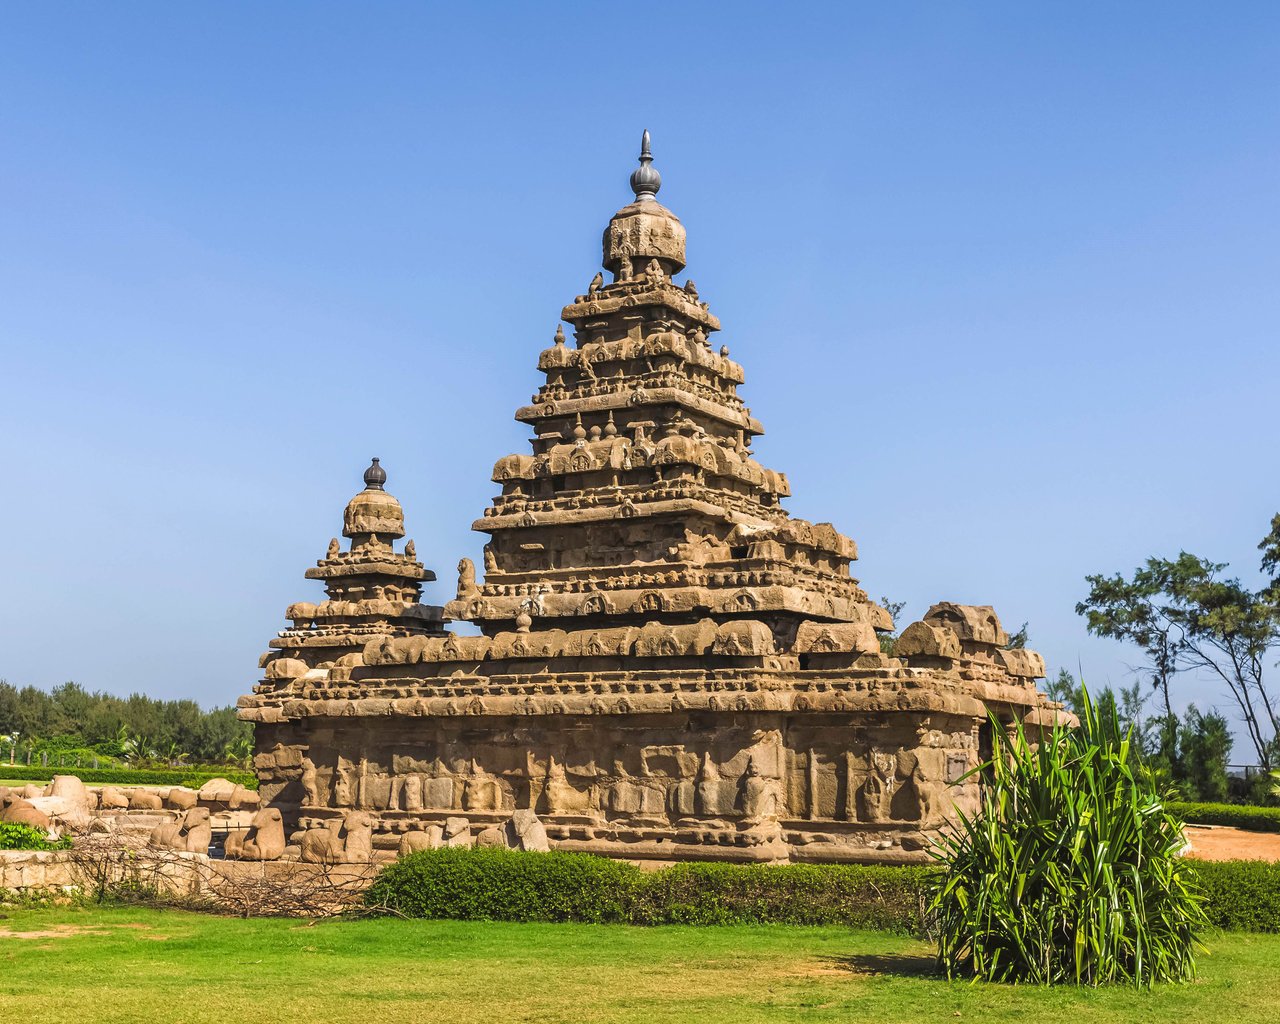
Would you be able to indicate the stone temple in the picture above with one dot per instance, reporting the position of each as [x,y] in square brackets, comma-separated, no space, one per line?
[670,666]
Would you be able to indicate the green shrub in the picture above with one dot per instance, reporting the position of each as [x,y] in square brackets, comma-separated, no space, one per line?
[502,885]
[24,837]
[1241,895]
[195,778]
[494,884]
[1070,871]
[1245,816]
[890,898]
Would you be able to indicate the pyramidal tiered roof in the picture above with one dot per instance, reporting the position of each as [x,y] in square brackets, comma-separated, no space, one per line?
[641,501]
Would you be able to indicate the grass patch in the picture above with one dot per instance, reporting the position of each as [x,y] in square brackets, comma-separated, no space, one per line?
[131,964]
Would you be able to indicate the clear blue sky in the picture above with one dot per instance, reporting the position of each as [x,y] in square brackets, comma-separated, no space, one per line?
[1003,278]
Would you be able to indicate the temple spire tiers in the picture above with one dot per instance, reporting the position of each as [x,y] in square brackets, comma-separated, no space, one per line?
[641,499]
[669,665]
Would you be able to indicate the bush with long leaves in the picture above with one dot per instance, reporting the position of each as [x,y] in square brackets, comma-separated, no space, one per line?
[1071,871]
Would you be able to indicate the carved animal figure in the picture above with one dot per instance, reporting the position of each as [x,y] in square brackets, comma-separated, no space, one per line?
[322,845]
[358,846]
[264,839]
[349,840]
[429,839]
[522,831]
[191,833]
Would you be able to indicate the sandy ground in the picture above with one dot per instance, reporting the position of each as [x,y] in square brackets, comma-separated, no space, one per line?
[1214,842]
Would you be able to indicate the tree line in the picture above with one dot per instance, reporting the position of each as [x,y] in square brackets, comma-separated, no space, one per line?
[1189,617]
[69,718]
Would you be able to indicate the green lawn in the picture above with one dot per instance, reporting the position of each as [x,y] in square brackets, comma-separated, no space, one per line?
[124,965]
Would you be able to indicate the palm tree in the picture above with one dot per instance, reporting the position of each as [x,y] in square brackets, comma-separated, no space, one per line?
[137,749]
[240,751]
[174,754]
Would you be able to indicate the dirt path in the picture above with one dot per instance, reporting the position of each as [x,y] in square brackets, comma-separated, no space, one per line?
[1217,842]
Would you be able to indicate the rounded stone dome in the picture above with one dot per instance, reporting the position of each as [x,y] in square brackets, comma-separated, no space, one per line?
[373,510]
[640,232]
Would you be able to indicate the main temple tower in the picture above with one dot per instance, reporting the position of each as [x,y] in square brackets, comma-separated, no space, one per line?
[670,665]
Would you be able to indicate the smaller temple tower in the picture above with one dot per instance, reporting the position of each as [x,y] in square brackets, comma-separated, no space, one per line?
[372,593]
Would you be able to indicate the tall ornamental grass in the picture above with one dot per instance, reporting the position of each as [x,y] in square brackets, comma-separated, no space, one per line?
[1071,870]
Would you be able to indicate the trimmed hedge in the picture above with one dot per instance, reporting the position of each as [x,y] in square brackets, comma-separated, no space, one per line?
[23,837]
[128,776]
[1246,816]
[862,896]
[493,884]
[1243,895]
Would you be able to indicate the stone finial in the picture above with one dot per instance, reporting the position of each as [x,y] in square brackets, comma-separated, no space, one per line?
[645,179]
[559,336]
[375,476]
[644,229]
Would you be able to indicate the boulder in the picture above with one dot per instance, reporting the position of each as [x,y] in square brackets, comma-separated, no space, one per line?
[14,810]
[181,799]
[63,810]
[112,798]
[244,799]
[145,800]
[69,787]
[217,791]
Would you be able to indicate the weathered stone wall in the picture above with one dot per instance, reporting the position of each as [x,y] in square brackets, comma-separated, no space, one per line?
[680,785]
